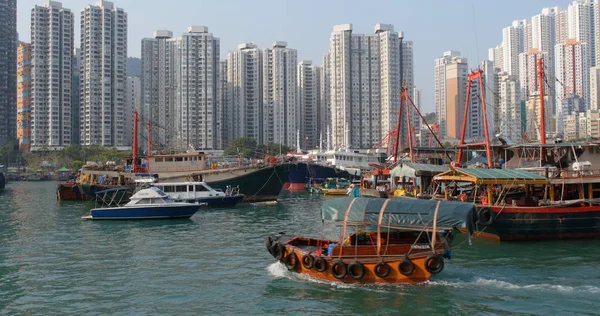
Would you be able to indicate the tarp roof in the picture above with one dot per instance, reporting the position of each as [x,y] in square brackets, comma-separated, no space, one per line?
[552,145]
[412,170]
[63,169]
[491,176]
[400,212]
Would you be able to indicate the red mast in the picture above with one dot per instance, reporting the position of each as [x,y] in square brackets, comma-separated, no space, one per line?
[135,141]
[542,110]
[149,149]
[396,148]
[410,143]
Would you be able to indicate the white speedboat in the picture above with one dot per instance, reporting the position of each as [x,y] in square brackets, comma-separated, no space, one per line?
[147,204]
[200,192]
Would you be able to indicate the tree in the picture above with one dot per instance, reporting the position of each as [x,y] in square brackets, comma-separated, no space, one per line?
[430,118]
[244,147]
[76,165]
[276,149]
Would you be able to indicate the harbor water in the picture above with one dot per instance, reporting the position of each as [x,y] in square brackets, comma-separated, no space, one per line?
[53,262]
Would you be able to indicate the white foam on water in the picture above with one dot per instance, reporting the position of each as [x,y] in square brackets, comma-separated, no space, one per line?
[279,270]
[499,284]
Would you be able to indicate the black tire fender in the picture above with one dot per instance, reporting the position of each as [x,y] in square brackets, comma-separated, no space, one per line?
[269,244]
[291,261]
[434,263]
[382,269]
[485,216]
[358,268]
[343,269]
[308,262]
[320,264]
[406,267]
[277,250]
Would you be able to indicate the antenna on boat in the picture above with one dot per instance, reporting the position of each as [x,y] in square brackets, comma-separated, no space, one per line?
[134,150]
[321,142]
[328,139]
[542,110]
[298,150]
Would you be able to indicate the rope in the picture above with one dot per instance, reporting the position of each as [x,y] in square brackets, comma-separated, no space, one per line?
[264,184]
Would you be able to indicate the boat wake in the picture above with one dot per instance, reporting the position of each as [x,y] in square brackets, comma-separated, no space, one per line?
[499,284]
[278,270]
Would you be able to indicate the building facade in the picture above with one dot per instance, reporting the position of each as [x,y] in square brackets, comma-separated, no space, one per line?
[159,87]
[103,75]
[8,70]
[24,97]
[450,80]
[133,102]
[509,107]
[308,96]
[52,38]
[572,71]
[197,71]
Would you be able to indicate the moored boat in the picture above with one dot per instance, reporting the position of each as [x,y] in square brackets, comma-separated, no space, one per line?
[200,192]
[149,203]
[398,241]
[305,172]
[522,205]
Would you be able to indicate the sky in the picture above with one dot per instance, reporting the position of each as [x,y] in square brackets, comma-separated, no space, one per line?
[468,26]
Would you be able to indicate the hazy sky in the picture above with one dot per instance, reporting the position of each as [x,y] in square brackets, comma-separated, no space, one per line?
[468,26]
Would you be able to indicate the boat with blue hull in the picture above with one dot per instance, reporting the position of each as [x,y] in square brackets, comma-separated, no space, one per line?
[151,203]
[305,172]
[201,192]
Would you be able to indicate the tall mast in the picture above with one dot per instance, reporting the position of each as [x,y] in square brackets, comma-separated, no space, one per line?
[542,110]
[396,147]
[135,141]
[149,149]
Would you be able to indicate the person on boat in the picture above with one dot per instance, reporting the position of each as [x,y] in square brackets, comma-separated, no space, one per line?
[463,196]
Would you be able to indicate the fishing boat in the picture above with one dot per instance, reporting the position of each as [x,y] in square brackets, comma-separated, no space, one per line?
[200,192]
[523,205]
[151,203]
[304,172]
[335,186]
[382,241]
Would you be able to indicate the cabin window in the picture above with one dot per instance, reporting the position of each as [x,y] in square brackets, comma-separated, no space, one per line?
[178,158]
[144,201]
[185,158]
[158,160]
[195,158]
[168,188]
[200,188]
[168,159]
[181,188]
[190,188]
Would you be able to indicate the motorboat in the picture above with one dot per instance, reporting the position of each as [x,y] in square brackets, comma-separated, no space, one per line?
[151,203]
[201,192]
[382,241]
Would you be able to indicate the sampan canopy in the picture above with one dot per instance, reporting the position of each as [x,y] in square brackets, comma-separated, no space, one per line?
[401,212]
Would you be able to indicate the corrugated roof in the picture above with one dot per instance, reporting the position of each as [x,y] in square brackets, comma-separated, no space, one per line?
[505,174]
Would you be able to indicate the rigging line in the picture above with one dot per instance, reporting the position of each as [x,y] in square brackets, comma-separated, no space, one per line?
[475,31]
[523,122]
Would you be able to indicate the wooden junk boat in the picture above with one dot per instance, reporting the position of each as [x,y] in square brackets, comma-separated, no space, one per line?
[398,241]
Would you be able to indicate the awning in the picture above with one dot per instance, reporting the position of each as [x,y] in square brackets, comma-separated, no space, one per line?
[413,170]
[400,212]
[491,176]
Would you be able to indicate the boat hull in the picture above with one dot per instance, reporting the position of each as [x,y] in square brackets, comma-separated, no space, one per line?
[303,172]
[373,193]
[217,201]
[257,185]
[145,212]
[369,263]
[543,223]
[2,181]
[69,191]
[334,191]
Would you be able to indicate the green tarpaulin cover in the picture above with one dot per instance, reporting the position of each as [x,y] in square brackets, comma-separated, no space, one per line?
[401,212]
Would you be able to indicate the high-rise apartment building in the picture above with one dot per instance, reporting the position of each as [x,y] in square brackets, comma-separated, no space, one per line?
[529,78]
[242,115]
[8,70]
[543,30]
[52,38]
[159,87]
[222,103]
[533,117]
[280,110]
[580,27]
[450,80]
[75,100]
[475,122]
[197,119]
[103,74]
[367,72]
[325,93]
[308,96]
[496,55]
[595,88]
[133,102]
[513,43]
[24,97]
[572,71]
[509,107]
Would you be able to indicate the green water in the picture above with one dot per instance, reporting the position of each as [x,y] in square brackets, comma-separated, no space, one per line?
[53,262]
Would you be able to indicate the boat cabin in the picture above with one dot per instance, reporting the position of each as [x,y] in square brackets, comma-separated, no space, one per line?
[187,162]
[190,190]
[149,196]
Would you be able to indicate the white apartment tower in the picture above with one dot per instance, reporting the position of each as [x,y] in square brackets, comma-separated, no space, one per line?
[367,72]
[450,83]
[513,43]
[475,127]
[133,101]
[222,103]
[197,119]
[280,82]
[103,74]
[509,109]
[52,35]
[572,70]
[243,112]
[308,97]
[496,55]
[325,98]
[159,88]
[579,26]
[529,78]
[595,88]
